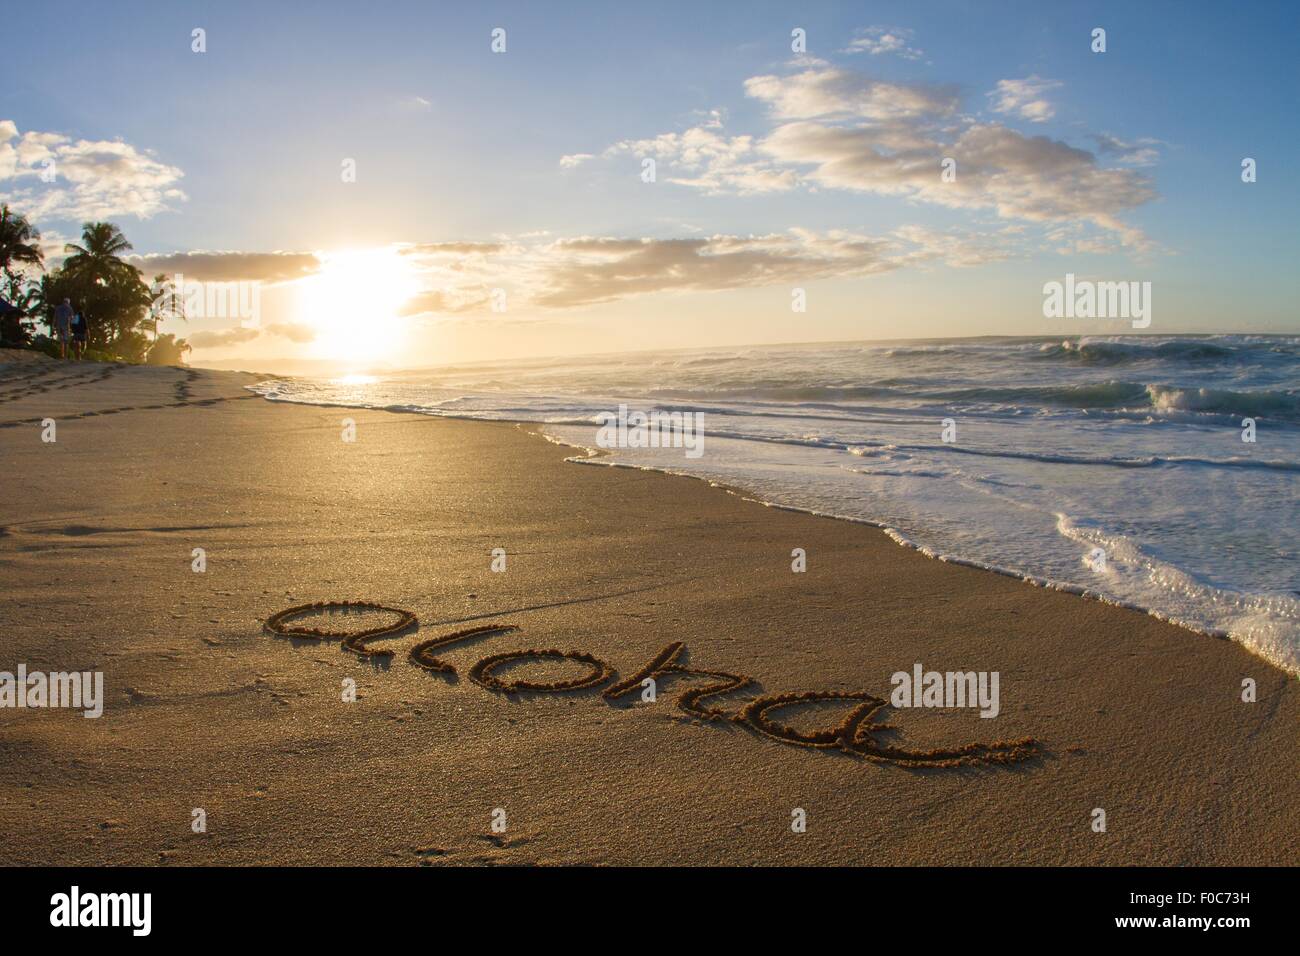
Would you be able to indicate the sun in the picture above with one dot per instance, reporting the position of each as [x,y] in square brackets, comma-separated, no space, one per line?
[354,304]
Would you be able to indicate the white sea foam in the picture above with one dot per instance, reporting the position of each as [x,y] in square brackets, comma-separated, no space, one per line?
[1129,444]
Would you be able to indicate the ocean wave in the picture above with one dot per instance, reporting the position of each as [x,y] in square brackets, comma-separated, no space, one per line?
[1112,395]
[1118,461]
[1263,622]
[784,393]
[1224,350]
[1284,405]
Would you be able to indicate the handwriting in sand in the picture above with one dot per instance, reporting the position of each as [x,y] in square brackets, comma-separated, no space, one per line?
[854,734]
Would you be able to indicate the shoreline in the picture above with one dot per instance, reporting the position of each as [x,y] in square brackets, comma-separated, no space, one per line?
[593,456]
[205,710]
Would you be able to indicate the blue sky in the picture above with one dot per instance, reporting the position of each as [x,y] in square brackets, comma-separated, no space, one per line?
[456,144]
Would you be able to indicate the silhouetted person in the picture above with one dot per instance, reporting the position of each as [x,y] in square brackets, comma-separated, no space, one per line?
[79,335]
[63,325]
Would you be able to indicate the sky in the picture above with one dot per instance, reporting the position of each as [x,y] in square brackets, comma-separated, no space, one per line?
[392,191]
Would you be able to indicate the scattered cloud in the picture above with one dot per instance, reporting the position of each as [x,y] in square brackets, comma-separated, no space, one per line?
[459,277]
[221,338]
[449,301]
[52,176]
[711,119]
[592,270]
[1030,178]
[958,250]
[1143,151]
[881,40]
[827,91]
[707,160]
[415,104]
[1024,98]
[589,271]
[425,249]
[840,129]
[294,331]
[542,274]
[229,266]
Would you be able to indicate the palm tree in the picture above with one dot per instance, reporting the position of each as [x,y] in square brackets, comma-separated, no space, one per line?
[167,303]
[97,259]
[108,288]
[18,248]
[18,239]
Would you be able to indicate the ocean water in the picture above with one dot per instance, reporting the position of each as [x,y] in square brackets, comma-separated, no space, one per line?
[1113,466]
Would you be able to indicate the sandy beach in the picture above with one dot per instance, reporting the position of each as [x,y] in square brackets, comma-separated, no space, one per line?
[204,710]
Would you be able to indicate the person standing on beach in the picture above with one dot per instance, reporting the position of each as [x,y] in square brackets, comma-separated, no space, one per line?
[63,325]
[79,335]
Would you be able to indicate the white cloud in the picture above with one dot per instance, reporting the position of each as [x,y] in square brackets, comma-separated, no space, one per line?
[956,249]
[459,276]
[835,128]
[710,161]
[881,40]
[590,270]
[203,266]
[1143,151]
[92,179]
[1024,98]
[827,91]
[712,119]
[1035,179]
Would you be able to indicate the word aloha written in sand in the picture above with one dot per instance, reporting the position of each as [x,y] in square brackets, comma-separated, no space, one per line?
[854,734]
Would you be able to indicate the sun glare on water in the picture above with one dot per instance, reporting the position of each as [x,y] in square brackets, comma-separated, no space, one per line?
[354,303]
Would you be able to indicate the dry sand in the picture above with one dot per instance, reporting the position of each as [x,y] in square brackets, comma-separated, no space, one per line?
[205,710]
